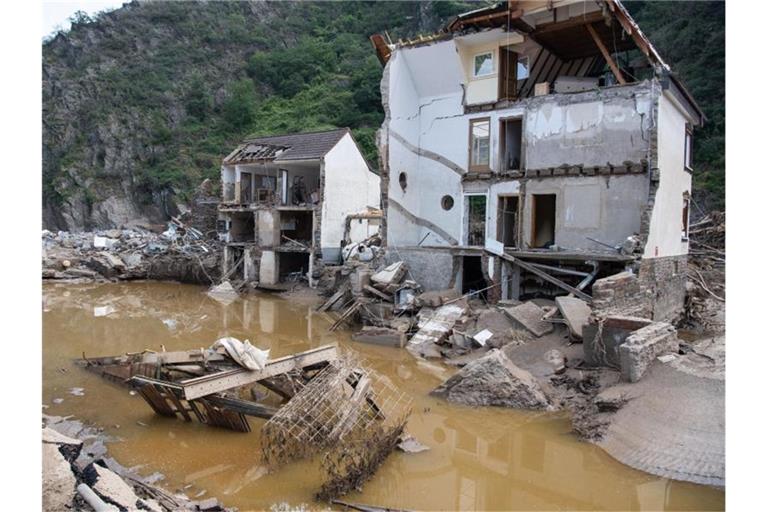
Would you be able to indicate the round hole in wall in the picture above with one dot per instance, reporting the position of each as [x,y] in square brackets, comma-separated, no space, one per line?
[446,202]
[403,180]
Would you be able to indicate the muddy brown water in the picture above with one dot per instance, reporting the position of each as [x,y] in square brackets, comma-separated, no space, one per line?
[488,458]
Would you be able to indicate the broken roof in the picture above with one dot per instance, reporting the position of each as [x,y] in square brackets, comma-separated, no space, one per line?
[280,148]
[568,39]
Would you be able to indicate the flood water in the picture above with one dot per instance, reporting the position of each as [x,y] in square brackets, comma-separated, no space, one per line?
[485,458]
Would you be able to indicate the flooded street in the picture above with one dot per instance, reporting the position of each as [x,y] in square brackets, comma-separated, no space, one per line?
[488,458]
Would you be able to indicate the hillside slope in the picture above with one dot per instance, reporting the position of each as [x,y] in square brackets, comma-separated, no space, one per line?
[141,103]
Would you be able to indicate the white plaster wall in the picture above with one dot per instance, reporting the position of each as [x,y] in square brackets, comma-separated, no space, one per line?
[483,89]
[350,187]
[665,234]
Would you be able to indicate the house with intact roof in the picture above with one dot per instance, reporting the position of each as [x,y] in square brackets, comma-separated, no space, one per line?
[287,203]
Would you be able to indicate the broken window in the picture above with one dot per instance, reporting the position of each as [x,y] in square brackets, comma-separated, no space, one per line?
[483,64]
[543,220]
[480,144]
[686,214]
[511,144]
[507,220]
[688,147]
[476,220]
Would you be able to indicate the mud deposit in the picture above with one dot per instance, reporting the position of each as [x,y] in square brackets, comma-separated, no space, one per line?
[485,458]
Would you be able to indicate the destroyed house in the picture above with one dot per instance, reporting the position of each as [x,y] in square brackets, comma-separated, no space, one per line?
[532,148]
[291,200]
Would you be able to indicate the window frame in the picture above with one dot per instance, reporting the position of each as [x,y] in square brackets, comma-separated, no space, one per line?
[686,217]
[474,64]
[479,167]
[688,148]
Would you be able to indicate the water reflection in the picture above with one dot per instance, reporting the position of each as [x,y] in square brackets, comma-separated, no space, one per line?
[489,458]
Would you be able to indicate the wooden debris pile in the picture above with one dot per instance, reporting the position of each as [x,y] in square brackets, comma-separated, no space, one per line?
[706,272]
[208,385]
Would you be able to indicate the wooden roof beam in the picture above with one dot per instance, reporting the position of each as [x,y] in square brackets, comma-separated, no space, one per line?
[606,54]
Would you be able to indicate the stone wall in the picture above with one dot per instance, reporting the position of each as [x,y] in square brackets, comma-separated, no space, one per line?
[433,269]
[643,346]
[656,291]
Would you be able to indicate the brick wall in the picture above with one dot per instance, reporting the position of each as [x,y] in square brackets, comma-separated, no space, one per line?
[656,291]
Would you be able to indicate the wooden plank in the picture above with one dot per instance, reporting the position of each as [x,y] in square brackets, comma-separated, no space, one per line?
[179,406]
[243,406]
[530,268]
[378,293]
[222,381]
[606,54]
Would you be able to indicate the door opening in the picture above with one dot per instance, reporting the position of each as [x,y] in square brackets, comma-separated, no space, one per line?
[507,221]
[245,188]
[472,276]
[507,74]
[476,220]
[543,220]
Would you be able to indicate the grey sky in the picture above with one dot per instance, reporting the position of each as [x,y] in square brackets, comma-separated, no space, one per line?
[56,13]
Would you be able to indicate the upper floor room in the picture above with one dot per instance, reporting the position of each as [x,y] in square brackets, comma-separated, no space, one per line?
[498,55]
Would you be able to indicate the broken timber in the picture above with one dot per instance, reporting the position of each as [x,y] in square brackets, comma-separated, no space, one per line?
[553,280]
[221,381]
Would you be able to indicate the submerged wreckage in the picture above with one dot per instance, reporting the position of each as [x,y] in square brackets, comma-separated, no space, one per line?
[323,402]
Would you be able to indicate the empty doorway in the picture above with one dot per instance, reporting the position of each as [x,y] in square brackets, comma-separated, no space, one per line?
[475,219]
[506,221]
[245,188]
[472,276]
[543,220]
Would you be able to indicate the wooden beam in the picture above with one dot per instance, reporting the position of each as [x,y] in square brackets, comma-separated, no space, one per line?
[222,381]
[606,54]
[557,282]
[547,28]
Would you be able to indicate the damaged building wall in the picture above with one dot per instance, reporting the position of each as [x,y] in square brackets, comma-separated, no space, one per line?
[350,187]
[665,234]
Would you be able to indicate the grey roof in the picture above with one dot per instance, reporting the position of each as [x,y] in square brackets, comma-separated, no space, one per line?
[294,146]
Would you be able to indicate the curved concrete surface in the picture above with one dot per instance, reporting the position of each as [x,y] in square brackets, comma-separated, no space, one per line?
[673,426]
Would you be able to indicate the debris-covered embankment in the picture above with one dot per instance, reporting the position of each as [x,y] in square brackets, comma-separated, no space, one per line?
[180,253]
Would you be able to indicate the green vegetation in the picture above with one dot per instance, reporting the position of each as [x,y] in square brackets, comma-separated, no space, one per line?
[167,88]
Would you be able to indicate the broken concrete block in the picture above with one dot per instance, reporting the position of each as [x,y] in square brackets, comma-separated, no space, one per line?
[392,274]
[436,328]
[494,380]
[575,313]
[68,447]
[380,336]
[112,488]
[223,293]
[58,479]
[603,350]
[643,346]
[106,264]
[529,316]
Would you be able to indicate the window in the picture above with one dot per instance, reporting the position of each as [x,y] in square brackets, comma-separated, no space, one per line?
[686,214]
[688,147]
[483,64]
[403,180]
[522,68]
[479,144]
[543,220]
[446,202]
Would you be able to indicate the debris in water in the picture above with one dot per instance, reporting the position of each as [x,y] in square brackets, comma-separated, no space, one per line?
[410,444]
[77,391]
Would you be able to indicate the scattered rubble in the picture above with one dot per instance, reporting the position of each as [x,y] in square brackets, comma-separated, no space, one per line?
[179,253]
[529,315]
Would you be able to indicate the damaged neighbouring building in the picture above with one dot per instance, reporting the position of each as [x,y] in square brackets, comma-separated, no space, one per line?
[539,146]
[291,201]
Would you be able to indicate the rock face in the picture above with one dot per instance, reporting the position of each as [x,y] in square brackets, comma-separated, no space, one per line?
[494,380]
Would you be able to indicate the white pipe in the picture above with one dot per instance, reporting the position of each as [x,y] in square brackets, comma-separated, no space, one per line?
[94,500]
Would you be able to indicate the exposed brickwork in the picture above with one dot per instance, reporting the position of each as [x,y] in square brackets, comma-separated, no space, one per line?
[656,291]
[643,346]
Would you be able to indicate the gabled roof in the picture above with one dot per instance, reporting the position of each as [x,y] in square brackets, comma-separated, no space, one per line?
[294,146]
